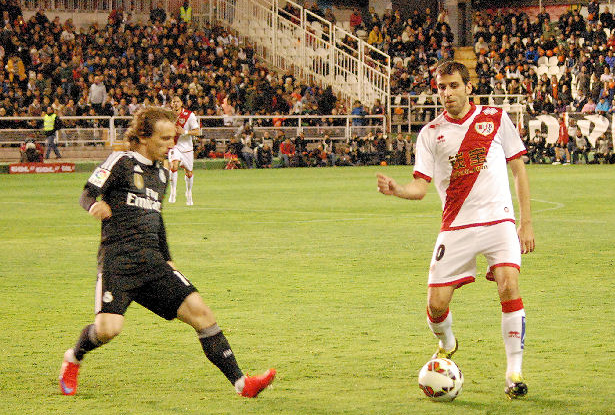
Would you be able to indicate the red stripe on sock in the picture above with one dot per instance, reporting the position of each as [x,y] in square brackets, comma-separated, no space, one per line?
[512,305]
[437,319]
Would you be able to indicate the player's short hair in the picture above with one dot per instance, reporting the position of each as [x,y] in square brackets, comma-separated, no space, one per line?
[452,67]
[144,122]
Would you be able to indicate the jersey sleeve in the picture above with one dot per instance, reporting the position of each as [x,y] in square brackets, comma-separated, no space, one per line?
[511,141]
[106,174]
[425,160]
[192,123]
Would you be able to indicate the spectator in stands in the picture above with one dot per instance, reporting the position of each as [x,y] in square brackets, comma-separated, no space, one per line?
[603,106]
[561,146]
[606,18]
[51,124]
[158,15]
[604,150]
[593,11]
[356,20]
[264,156]
[375,37]
[287,152]
[97,95]
[582,147]
[589,107]
[359,112]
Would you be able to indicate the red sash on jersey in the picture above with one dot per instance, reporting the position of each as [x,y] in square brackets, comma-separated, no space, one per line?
[469,161]
[182,119]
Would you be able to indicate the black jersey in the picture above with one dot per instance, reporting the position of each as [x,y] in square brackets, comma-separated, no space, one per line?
[133,239]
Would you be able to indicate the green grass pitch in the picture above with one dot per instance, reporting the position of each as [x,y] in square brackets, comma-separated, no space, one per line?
[313,272]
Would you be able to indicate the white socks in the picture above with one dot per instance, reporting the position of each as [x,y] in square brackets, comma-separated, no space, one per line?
[513,334]
[189,181]
[173,183]
[241,382]
[442,328]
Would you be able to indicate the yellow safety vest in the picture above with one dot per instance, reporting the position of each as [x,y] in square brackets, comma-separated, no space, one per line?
[49,122]
[185,14]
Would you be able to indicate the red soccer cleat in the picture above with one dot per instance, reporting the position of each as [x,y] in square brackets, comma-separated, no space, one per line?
[255,384]
[68,374]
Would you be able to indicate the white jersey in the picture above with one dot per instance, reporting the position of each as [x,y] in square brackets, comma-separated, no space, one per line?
[467,159]
[187,120]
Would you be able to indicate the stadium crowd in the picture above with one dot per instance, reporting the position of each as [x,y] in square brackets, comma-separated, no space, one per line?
[114,69]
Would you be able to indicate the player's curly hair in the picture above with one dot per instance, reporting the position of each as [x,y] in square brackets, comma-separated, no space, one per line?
[144,122]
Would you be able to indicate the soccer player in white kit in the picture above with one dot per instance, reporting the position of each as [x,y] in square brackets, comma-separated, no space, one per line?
[464,151]
[182,154]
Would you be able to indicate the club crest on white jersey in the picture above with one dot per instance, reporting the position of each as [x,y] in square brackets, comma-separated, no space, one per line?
[484,128]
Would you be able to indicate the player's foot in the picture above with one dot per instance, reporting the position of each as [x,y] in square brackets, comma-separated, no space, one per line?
[189,199]
[255,384]
[441,353]
[68,373]
[515,386]
[172,197]
[556,163]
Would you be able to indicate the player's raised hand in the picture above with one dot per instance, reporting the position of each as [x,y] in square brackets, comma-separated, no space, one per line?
[100,210]
[386,185]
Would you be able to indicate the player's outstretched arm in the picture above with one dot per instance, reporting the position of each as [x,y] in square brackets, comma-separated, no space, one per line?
[522,187]
[415,190]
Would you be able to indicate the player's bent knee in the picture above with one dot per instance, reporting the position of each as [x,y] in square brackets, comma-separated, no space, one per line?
[195,312]
[188,173]
[108,326]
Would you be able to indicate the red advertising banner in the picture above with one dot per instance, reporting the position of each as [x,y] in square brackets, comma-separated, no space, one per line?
[27,168]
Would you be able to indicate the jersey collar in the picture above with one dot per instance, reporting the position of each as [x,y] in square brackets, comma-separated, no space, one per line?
[465,117]
[141,158]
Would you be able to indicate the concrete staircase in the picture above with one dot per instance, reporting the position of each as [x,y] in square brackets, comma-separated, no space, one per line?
[465,55]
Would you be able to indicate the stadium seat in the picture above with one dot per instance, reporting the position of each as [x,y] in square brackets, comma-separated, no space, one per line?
[553,61]
[553,70]
[406,60]
[543,60]
[607,31]
[397,59]
[581,41]
[542,69]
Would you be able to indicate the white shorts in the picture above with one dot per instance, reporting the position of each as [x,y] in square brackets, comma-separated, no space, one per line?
[186,160]
[454,257]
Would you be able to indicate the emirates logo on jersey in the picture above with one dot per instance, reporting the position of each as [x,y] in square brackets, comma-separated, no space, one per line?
[484,128]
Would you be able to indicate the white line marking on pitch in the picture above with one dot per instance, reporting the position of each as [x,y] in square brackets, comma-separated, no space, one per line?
[558,205]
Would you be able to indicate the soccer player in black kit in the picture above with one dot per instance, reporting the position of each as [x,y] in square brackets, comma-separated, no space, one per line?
[134,263]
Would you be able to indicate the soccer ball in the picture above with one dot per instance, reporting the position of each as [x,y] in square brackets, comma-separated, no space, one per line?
[441,380]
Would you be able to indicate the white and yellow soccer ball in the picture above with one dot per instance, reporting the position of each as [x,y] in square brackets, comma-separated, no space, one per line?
[441,380]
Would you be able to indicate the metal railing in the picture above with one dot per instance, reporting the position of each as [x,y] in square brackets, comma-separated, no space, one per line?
[417,110]
[311,47]
[109,131]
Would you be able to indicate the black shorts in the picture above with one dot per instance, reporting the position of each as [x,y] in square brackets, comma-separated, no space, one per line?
[161,293]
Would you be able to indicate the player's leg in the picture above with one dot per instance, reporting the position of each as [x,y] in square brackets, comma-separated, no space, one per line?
[194,312]
[504,259]
[453,264]
[108,323]
[187,163]
[173,166]
[513,328]
[440,319]
[189,177]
